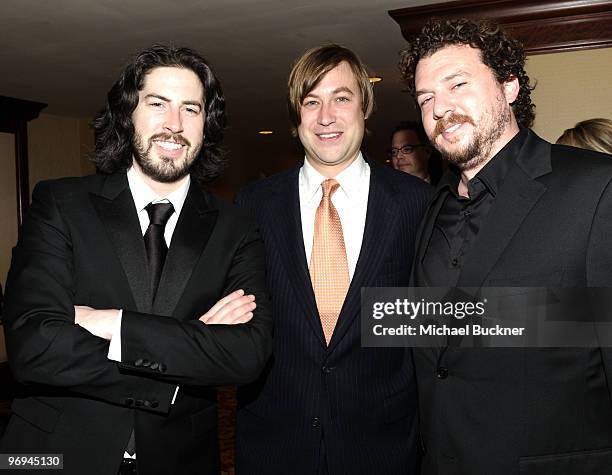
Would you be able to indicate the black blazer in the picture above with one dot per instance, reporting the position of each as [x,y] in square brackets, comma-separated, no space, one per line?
[81,244]
[527,411]
[362,401]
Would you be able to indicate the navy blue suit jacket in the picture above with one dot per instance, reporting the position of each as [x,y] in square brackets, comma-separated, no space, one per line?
[362,401]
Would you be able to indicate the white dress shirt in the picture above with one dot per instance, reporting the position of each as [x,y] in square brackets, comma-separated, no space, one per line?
[350,200]
[142,195]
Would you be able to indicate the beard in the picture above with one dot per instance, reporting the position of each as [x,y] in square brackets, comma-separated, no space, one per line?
[164,169]
[494,122]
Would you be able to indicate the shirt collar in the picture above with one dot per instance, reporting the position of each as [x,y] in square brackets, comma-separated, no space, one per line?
[493,173]
[143,194]
[351,179]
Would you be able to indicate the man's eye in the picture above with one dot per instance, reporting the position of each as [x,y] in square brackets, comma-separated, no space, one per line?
[156,105]
[425,101]
[458,85]
[310,103]
[343,99]
[192,110]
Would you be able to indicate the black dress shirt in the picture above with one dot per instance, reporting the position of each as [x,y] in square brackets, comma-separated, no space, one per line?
[460,218]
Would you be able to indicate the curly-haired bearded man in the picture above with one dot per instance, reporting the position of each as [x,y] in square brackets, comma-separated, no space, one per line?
[513,211]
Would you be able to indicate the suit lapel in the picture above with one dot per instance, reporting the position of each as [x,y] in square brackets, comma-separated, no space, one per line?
[419,277]
[382,214]
[193,229]
[115,207]
[517,196]
[284,208]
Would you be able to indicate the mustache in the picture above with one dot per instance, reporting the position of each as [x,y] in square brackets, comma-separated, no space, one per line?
[178,138]
[449,121]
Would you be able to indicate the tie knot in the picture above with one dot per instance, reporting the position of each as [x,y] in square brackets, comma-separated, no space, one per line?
[329,187]
[159,213]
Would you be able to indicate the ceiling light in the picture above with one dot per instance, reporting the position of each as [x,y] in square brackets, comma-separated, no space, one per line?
[265,132]
[375,79]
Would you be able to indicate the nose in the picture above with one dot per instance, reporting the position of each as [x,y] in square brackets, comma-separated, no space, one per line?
[327,114]
[173,120]
[443,105]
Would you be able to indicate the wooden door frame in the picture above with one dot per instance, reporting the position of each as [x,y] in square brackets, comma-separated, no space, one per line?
[14,117]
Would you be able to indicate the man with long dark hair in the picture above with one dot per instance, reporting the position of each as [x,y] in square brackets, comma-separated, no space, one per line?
[512,211]
[132,292]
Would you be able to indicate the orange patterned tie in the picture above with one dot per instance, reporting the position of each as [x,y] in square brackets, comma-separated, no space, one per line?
[328,264]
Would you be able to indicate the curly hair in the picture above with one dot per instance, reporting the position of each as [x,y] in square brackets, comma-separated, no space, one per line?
[113,127]
[503,55]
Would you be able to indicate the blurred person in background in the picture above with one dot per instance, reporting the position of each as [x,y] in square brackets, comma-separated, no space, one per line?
[592,134]
[412,153]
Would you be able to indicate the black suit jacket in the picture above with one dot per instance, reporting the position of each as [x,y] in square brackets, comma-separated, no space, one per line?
[362,401]
[81,244]
[527,411]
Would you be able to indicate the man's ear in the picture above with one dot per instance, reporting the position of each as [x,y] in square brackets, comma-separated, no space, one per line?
[511,89]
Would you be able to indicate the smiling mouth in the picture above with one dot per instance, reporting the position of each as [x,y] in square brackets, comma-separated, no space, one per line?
[447,127]
[169,143]
[452,128]
[168,146]
[329,135]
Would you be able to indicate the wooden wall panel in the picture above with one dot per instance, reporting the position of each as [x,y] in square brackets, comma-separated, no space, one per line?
[543,26]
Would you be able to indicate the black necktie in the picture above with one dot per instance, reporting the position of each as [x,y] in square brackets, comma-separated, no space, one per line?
[156,247]
[155,244]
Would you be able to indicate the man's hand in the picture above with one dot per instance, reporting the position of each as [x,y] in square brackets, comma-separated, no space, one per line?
[97,322]
[231,309]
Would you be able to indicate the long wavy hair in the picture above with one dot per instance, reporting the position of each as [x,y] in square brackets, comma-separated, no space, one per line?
[503,55]
[113,127]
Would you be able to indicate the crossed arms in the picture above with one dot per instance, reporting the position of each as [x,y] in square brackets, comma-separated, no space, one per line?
[46,347]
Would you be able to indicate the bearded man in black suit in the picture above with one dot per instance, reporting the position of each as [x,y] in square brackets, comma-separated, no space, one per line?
[131,292]
[513,210]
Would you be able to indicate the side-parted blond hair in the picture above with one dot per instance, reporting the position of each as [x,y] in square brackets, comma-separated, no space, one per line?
[315,63]
[592,134]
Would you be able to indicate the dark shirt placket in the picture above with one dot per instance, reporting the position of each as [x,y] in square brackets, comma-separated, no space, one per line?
[461,218]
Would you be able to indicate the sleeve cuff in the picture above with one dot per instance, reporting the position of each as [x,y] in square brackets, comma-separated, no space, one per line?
[114,348]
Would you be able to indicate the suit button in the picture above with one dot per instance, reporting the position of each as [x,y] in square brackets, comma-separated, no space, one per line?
[154,404]
[139,402]
[146,363]
[162,368]
[154,365]
[129,401]
[454,262]
[138,362]
[328,369]
[147,403]
[316,422]
[442,372]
